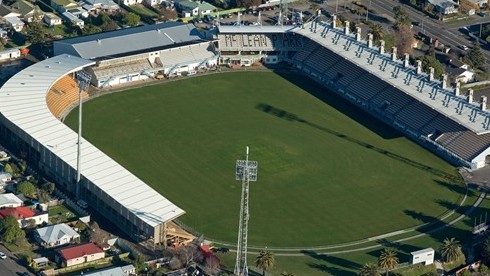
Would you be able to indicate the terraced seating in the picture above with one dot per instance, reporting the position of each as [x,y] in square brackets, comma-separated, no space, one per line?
[469,144]
[442,124]
[366,86]
[416,115]
[309,48]
[63,94]
[391,100]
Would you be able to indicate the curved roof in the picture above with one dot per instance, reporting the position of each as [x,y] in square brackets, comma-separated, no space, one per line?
[23,102]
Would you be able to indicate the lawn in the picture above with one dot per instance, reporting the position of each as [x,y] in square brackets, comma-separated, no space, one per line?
[328,172]
[60,213]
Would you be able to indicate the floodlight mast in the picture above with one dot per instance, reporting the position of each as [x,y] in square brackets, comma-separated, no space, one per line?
[83,80]
[246,171]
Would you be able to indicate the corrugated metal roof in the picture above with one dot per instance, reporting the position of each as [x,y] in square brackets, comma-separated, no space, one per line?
[250,29]
[23,102]
[129,40]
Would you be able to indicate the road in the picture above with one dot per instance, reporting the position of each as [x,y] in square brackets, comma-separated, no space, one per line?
[447,34]
[10,266]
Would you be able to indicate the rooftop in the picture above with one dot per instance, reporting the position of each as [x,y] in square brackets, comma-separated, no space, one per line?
[17,212]
[129,40]
[52,233]
[250,29]
[9,199]
[78,251]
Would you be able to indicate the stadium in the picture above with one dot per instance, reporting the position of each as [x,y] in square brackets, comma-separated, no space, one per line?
[34,102]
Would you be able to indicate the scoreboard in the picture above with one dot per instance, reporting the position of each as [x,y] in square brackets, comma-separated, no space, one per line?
[260,41]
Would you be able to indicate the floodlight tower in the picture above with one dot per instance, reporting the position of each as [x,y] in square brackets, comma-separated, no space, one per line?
[246,171]
[83,80]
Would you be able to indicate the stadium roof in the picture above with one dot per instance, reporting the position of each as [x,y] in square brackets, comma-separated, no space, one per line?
[129,40]
[23,102]
[250,29]
[431,93]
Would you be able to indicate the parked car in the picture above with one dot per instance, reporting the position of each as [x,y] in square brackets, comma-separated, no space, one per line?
[82,203]
[3,256]
[464,47]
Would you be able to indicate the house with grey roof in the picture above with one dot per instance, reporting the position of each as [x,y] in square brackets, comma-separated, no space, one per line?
[6,11]
[444,6]
[26,10]
[97,6]
[10,201]
[56,235]
[189,8]
[52,19]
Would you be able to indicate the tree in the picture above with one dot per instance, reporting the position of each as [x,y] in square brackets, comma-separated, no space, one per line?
[404,40]
[35,33]
[475,56]
[49,187]
[132,19]
[450,250]
[377,31]
[401,16]
[465,6]
[247,3]
[8,169]
[264,261]
[465,273]
[89,29]
[139,263]
[369,269]
[109,26]
[10,230]
[483,269]
[26,188]
[429,61]
[388,259]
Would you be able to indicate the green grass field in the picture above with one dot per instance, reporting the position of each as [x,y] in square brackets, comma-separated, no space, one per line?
[328,172]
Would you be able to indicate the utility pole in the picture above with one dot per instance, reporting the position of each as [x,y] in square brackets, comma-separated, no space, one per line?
[83,80]
[246,171]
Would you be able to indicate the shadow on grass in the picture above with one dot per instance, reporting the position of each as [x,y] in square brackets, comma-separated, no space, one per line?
[291,117]
[330,98]
[335,261]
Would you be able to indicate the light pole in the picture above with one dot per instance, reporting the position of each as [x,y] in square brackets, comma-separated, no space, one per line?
[83,80]
[367,11]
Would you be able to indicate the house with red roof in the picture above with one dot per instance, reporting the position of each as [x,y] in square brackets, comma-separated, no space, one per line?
[78,254]
[24,214]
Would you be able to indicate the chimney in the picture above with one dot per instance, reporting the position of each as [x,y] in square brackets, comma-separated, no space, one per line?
[346,27]
[406,60]
[393,53]
[431,74]
[483,103]
[382,47]
[418,68]
[470,96]
[444,81]
[370,40]
[334,21]
[458,87]
[358,33]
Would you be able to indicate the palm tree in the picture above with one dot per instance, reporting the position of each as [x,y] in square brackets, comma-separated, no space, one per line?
[369,269]
[377,31]
[388,259]
[264,260]
[451,250]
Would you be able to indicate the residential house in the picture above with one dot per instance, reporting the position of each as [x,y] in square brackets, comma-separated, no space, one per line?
[26,10]
[189,8]
[24,214]
[444,6]
[15,23]
[56,235]
[153,3]
[10,201]
[40,262]
[114,271]
[460,71]
[78,254]
[62,6]
[480,3]
[4,34]
[74,20]
[8,54]
[97,6]
[79,12]
[52,19]
[5,12]
[132,2]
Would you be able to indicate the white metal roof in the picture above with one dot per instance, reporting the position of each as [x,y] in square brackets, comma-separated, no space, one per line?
[23,102]
[250,29]
[422,251]
[417,86]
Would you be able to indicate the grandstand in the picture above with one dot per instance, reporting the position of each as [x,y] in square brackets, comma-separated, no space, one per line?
[28,102]
[62,95]
[140,53]
[427,110]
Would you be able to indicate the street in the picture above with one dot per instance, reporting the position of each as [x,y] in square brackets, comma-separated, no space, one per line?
[9,266]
